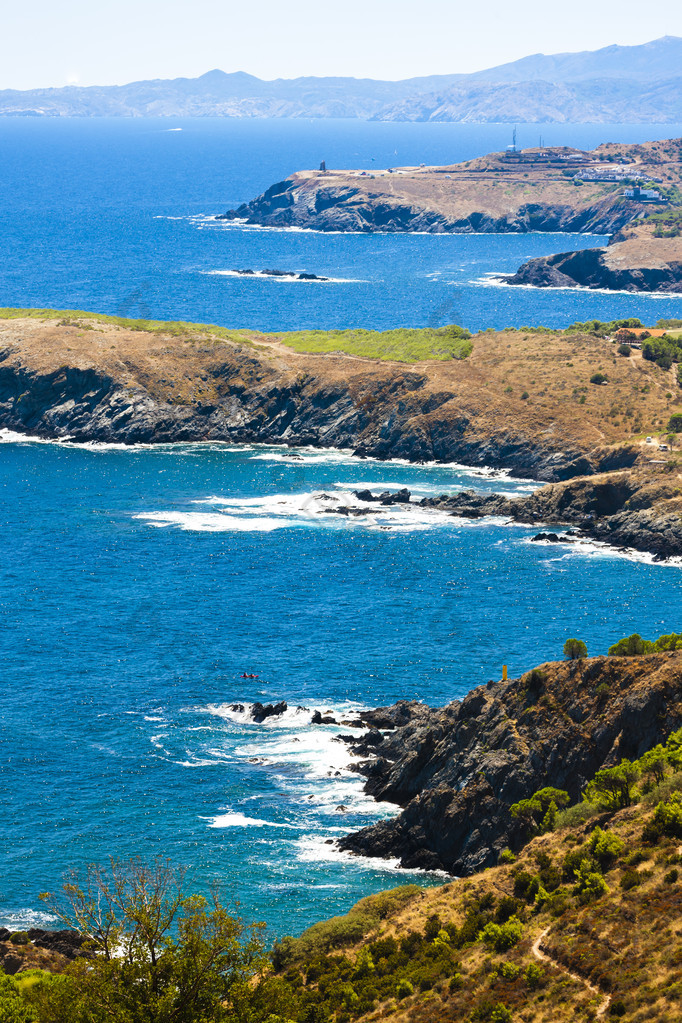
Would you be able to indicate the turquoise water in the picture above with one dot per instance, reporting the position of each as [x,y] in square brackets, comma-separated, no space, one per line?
[136,586]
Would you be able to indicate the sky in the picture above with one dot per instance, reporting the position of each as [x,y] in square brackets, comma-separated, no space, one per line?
[86,42]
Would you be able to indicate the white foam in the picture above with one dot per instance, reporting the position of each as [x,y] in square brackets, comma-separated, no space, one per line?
[260,275]
[583,547]
[240,820]
[319,509]
[24,919]
[315,849]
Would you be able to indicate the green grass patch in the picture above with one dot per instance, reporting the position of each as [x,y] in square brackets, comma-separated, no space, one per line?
[401,345]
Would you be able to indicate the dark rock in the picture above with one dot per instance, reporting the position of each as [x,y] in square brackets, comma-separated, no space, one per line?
[322,719]
[550,538]
[259,712]
[456,770]
[387,497]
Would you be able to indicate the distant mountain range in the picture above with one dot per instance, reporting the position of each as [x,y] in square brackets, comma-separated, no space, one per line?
[617,84]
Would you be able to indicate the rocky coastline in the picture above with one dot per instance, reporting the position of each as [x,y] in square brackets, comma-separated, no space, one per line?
[590,268]
[455,771]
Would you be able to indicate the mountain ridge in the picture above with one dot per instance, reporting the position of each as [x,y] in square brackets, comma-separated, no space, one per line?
[601,85]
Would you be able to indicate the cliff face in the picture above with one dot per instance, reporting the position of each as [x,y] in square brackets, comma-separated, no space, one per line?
[365,208]
[590,268]
[113,383]
[457,770]
[429,200]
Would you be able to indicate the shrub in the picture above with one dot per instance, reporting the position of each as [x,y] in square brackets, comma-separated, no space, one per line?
[631,646]
[533,974]
[403,989]
[672,876]
[524,395]
[489,1012]
[599,378]
[675,422]
[612,787]
[630,879]
[506,856]
[13,1008]
[574,649]
[624,349]
[590,885]
[605,847]
[539,812]
[509,971]
[667,820]
[502,937]
[19,938]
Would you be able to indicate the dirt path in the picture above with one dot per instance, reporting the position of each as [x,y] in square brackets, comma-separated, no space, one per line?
[544,958]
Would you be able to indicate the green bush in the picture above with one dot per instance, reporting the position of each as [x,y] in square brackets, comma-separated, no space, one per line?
[403,989]
[13,1008]
[533,975]
[506,856]
[589,884]
[613,787]
[667,820]
[599,378]
[675,422]
[502,937]
[624,349]
[574,649]
[630,879]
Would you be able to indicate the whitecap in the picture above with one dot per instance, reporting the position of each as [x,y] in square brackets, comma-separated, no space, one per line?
[240,820]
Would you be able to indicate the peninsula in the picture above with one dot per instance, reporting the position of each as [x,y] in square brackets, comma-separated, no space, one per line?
[631,192]
[562,407]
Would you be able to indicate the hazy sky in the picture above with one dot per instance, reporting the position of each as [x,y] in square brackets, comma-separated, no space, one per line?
[100,43]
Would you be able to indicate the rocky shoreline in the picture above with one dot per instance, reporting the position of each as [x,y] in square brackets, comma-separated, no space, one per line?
[456,770]
[589,268]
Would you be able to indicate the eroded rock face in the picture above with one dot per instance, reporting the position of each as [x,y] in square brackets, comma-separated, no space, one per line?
[589,268]
[456,770]
[628,510]
[322,206]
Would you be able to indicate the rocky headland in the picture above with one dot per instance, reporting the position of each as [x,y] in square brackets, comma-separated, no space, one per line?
[456,770]
[520,401]
[550,189]
[557,189]
[634,260]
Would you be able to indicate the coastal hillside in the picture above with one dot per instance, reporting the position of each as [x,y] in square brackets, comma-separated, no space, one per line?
[455,771]
[551,189]
[642,86]
[583,923]
[644,256]
[579,917]
[519,399]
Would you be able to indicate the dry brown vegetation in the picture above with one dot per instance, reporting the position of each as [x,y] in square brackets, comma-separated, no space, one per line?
[535,384]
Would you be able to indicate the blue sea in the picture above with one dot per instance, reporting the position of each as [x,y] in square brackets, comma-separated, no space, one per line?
[137,585]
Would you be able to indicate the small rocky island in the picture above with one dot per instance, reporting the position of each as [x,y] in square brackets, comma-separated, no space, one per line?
[287,274]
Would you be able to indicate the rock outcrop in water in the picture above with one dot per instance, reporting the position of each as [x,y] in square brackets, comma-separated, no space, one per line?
[637,510]
[456,770]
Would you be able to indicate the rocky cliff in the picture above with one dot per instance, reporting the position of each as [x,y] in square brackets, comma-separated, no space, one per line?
[591,268]
[94,380]
[456,770]
[547,189]
[638,510]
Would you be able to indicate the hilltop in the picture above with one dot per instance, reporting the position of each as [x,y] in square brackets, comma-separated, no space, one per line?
[642,85]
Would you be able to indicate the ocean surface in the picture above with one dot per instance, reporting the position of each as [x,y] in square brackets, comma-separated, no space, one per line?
[138,585]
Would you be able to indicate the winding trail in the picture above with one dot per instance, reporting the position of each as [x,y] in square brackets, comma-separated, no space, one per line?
[544,958]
